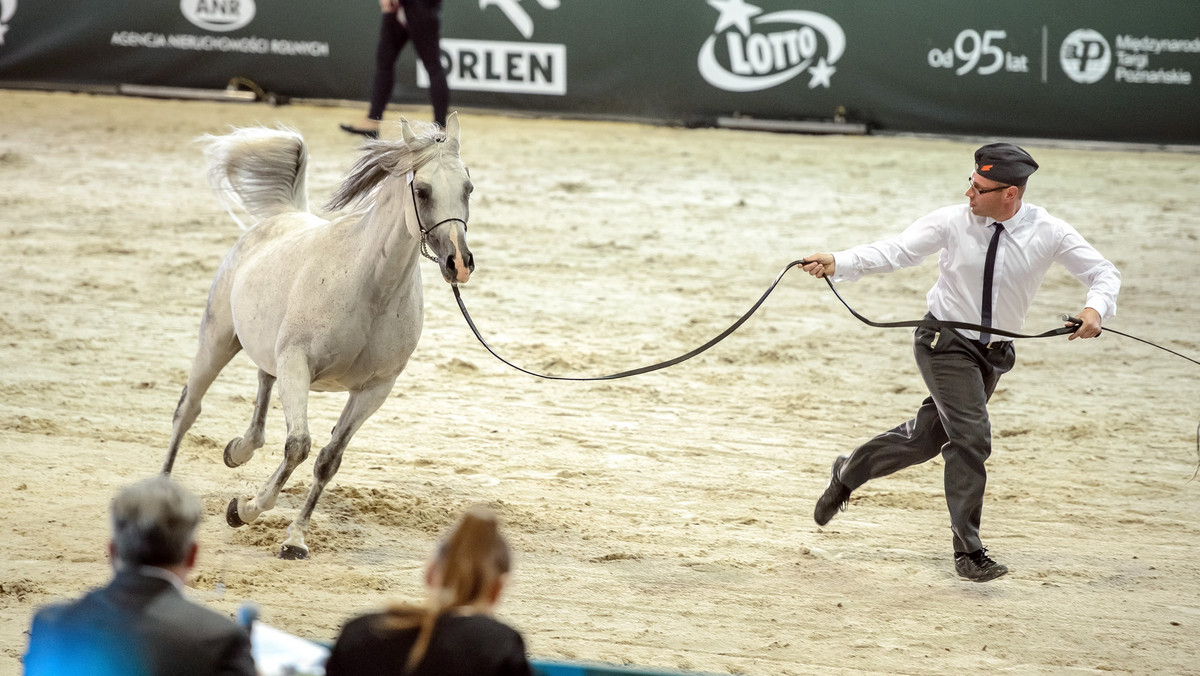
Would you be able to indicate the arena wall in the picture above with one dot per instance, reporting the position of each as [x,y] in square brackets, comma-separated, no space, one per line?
[1083,69]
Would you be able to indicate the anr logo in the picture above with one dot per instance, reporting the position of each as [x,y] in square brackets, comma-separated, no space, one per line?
[218,15]
[1085,56]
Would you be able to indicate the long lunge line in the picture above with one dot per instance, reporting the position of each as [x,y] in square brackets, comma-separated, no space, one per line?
[935,324]
[1070,325]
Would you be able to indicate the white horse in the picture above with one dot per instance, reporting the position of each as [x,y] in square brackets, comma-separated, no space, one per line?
[323,305]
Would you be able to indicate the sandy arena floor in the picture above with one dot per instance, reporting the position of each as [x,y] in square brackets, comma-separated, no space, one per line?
[663,520]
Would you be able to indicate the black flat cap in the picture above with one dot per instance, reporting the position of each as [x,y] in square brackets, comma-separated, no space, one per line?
[1005,163]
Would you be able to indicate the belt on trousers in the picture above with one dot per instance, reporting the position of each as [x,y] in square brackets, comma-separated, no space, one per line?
[995,344]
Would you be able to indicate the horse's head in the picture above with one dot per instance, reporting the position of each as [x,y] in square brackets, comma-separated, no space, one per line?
[423,183]
[439,190]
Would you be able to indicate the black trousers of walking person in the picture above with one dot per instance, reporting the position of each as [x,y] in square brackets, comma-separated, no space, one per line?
[424,27]
[961,375]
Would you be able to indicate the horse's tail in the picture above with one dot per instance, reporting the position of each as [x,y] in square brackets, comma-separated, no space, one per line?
[260,170]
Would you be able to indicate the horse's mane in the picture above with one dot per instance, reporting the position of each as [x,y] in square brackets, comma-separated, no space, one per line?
[382,158]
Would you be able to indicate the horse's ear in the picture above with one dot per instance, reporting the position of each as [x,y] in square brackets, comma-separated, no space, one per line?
[407,132]
[452,129]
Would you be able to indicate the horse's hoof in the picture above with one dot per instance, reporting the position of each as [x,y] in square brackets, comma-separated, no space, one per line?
[293,553]
[228,460]
[231,515]
[228,457]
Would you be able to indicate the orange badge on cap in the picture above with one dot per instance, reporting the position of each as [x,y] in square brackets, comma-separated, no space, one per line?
[986,167]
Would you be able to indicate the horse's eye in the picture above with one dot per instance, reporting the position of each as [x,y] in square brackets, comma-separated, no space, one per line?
[470,187]
[422,193]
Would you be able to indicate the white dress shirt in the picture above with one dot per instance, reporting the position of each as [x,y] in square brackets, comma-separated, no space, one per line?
[162,573]
[1031,241]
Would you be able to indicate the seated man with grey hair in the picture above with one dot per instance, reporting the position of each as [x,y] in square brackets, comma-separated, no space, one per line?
[140,624]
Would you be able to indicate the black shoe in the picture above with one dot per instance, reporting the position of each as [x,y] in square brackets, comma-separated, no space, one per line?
[978,566]
[835,496]
[369,133]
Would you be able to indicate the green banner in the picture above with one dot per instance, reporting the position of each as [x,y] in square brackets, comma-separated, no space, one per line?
[1086,69]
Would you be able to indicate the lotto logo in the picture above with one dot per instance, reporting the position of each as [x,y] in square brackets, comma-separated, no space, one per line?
[752,51]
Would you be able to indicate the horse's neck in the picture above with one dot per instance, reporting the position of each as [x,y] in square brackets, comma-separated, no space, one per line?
[389,252]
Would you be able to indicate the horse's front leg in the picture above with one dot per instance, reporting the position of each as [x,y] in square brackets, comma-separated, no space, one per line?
[359,407]
[294,381]
[239,451]
[218,345]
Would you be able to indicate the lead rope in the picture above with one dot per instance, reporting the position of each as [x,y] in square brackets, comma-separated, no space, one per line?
[935,324]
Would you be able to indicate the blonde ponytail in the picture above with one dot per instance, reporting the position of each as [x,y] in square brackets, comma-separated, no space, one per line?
[470,563]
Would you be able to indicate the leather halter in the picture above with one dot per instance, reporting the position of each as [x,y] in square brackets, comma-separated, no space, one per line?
[421,226]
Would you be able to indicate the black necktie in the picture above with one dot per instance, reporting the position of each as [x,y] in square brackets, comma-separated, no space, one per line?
[989,270]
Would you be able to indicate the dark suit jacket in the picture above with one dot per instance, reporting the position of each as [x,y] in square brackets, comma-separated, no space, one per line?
[137,625]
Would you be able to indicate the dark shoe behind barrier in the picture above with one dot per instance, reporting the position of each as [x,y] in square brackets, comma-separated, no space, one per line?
[369,133]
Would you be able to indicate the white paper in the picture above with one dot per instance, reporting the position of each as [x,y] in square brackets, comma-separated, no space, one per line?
[278,653]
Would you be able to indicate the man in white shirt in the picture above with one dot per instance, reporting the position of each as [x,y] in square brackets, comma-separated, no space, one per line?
[994,252]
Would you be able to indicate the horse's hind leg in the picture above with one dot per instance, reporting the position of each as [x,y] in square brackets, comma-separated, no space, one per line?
[294,381]
[217,347]
[359,407]
[239,451]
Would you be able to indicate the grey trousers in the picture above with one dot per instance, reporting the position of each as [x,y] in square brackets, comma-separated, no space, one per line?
[961,376]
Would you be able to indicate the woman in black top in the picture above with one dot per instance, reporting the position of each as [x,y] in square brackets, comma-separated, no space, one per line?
[455,632]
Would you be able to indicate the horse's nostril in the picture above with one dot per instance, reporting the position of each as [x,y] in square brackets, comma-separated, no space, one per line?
[471,263]
[450,263]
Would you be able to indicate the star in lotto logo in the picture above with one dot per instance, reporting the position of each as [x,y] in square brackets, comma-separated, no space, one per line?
[751,51]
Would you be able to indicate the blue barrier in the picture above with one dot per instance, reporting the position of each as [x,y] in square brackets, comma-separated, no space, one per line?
[564,668]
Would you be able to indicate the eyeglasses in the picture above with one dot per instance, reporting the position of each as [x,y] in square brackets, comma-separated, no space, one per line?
[984,191]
